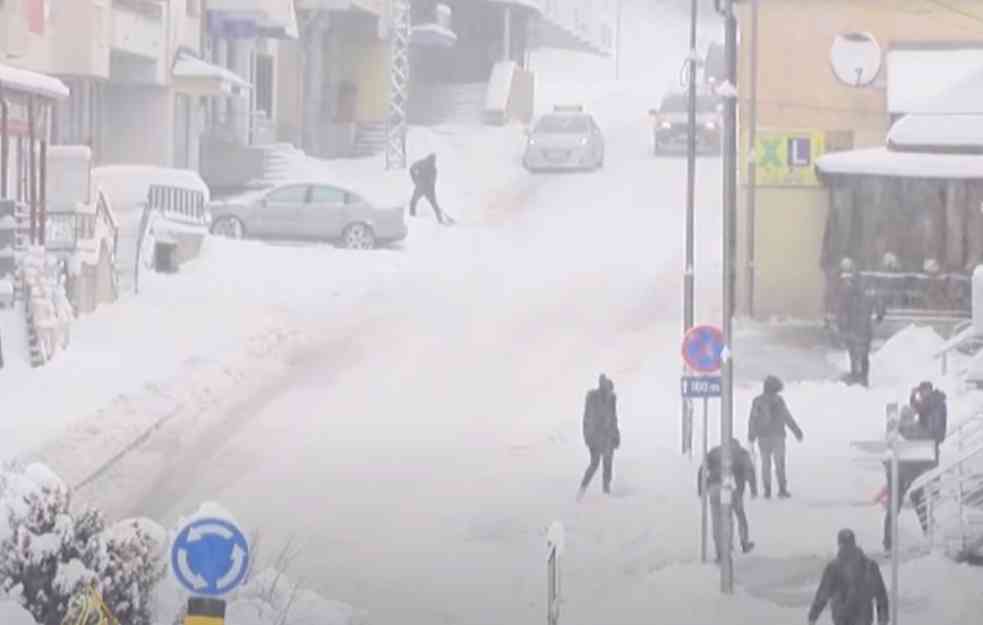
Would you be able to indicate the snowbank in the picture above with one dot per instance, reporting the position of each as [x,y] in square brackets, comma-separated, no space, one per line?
[12,614]
[907,358]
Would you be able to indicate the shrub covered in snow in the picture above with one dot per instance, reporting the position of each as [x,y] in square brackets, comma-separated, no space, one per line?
[47,554]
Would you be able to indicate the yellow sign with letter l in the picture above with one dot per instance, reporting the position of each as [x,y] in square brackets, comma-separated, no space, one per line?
[786,158]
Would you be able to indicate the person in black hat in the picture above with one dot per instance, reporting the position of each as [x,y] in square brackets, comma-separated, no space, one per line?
[853,585]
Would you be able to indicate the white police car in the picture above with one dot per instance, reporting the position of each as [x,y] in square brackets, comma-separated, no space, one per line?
[566,139]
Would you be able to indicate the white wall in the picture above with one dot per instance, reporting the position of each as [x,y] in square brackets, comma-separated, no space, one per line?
[139,125]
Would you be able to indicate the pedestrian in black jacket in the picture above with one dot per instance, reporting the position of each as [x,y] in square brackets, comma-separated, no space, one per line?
[710,476]
[853,585]
[601,433]
[855,321]
[769,418]
[424,176]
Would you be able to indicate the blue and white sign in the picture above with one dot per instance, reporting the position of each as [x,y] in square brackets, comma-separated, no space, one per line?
[210,557]
[701,387]
[703,349]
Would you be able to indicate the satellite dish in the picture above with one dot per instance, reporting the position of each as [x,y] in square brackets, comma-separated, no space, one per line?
[856,58]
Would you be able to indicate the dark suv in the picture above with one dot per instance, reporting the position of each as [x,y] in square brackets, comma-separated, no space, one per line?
[671,124]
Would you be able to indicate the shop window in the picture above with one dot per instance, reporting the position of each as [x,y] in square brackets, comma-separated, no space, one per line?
[264,84]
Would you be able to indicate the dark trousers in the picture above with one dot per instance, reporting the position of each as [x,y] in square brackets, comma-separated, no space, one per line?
[772,448]
[906,475]
[426,192]
[860,363]
[596,456]
[716,516]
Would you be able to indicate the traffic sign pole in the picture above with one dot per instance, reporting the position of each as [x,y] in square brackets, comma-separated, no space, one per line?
[703,500]
[727,369]
[895,505]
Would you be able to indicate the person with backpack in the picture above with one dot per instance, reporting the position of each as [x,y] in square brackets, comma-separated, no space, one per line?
[601,433]
[424,176]
[767,423]
[709,479]
[853,585]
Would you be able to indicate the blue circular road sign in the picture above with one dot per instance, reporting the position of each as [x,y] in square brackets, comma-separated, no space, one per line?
[210,557]
[702,347]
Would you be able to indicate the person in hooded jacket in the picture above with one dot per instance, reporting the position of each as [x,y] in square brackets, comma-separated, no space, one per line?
[601,433]
[710,477]
[767,423]
[929,404]
[853,585]
[424,176]
[855,321]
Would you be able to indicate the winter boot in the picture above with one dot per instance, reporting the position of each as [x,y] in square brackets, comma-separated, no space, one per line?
[580,493]
[747,547]
[783,494]
[767,493]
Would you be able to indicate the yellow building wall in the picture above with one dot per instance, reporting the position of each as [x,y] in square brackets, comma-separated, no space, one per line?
[798,91]
[371,73]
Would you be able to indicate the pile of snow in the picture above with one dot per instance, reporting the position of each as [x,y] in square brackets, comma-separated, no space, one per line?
[13,614]
[907,358]
[270,598]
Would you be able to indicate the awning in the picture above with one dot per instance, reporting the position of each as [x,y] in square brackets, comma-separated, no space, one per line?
[32,83]
[937,133]
[888,163]
[274,19]
[917,77]
[200,78]
[432,35]
[536,6]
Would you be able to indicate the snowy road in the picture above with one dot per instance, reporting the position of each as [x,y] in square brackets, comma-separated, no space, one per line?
[415,455]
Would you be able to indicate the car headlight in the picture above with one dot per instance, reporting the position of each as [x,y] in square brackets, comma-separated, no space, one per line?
[711,126]
[532,141]
[584,141]
[665,125]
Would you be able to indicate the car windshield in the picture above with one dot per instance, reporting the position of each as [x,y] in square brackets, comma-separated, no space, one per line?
[563,124]
[679,103]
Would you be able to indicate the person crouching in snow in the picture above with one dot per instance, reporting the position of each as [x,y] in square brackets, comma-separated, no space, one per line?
[424,176]
[710,476]
[769,418]
[601,433]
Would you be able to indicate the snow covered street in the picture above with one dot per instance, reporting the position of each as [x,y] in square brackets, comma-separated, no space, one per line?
[410,417]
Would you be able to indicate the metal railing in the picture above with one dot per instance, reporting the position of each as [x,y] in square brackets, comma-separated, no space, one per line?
[952,501]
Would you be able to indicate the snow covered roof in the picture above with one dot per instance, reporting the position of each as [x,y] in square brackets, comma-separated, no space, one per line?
[885,162]
[917,77]
[533,5]
[964,96]
[937,131]
[188,67]
[32,82]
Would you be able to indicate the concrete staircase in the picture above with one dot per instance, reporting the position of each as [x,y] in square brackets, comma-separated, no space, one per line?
[370,139]
[279,159]
[455,104]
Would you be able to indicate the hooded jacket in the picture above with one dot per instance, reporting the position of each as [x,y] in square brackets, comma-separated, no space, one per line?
[601,417]
[852,584]
[770,415]
[424,172]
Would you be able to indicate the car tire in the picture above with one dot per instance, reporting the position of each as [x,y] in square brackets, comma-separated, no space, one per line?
[229,227]
[358,236]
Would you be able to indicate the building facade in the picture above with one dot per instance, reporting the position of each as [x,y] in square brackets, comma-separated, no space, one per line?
[805,110]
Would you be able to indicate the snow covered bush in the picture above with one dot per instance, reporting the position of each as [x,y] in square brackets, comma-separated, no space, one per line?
[269,598]
[47,554]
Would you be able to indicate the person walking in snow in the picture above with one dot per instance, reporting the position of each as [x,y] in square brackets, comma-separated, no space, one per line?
[710,477]
[853,585]
[855,323]
[424,176]
[769,418]
[601,433]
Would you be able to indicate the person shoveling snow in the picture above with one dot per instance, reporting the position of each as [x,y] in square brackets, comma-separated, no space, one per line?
[424,176]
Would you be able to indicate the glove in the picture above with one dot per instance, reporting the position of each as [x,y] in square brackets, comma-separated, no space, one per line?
[754,494]
[799,436]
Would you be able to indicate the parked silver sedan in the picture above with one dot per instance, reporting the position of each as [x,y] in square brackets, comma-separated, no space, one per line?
[309,211]
[567,139]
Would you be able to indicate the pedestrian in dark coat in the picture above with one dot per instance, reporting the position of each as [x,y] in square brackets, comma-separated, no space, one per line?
[424,176]
[769,418]
[853,585]
[710,477]
[855,321]
[601,433]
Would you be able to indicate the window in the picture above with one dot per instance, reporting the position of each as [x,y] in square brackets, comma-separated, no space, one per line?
[572,124]
[289,195]
[327,195]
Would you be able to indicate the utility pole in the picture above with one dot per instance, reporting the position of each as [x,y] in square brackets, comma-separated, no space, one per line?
[688,276]
[399,83]
[617,43]
[752,165]
[729,92]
